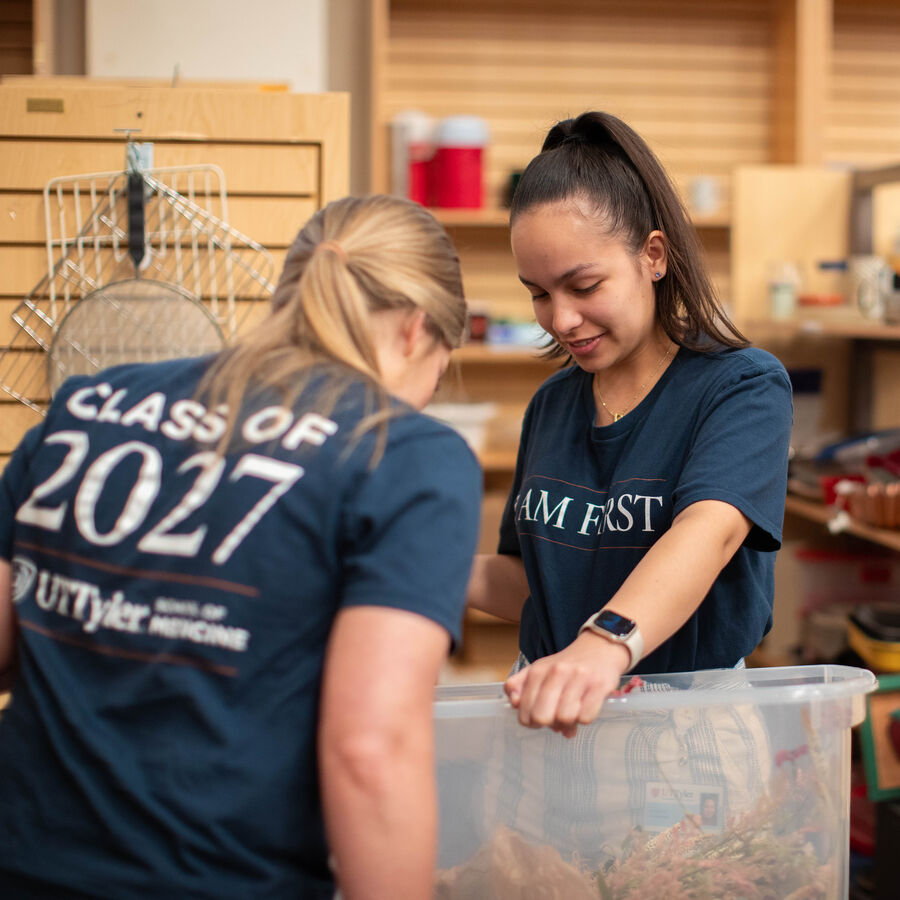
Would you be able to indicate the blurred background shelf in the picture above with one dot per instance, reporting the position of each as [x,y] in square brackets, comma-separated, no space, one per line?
[498,461]
[500,354]
[498,217]
[818,512]
[852,328]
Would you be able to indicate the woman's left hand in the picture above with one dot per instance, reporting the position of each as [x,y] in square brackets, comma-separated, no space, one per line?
[567,689]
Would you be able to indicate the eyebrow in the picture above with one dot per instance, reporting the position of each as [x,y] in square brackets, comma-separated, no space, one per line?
[565,275]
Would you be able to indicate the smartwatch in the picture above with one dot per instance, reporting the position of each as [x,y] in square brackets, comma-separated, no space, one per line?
[619,630]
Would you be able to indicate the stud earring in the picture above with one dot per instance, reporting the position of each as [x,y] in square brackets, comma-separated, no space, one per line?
[659,274]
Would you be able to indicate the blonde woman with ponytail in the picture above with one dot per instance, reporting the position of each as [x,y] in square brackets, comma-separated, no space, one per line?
[227,585]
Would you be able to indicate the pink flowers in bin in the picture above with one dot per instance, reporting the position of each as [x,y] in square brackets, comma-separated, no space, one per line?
[784,756]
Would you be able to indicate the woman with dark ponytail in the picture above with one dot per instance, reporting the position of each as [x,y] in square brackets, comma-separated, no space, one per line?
[227,586]
[641,530]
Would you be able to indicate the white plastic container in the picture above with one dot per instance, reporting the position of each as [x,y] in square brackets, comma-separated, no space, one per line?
[412,147]
[469,419]
[765,753]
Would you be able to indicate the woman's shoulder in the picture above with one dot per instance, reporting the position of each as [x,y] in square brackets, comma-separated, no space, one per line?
[737,362]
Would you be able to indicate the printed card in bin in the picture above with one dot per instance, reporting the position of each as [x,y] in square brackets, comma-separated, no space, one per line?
[667,805]
[673,781]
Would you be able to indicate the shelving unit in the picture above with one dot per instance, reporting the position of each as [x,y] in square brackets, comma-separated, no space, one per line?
[667,69]
[716,89]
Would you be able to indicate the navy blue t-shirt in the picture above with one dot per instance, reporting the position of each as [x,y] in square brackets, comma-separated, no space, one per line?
[174,609]
[588,502]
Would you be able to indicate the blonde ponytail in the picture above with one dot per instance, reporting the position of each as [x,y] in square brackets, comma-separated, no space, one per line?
[355,257]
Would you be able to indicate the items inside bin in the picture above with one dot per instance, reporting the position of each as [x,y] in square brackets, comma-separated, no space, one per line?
[527,813]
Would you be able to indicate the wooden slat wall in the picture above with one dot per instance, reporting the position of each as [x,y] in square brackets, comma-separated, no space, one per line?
[863,126]
[16,37]
[284,155]
[668,69]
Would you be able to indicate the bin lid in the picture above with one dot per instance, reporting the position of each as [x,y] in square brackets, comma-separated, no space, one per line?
[710,687]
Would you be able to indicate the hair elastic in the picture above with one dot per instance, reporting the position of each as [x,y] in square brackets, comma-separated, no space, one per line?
[334,247]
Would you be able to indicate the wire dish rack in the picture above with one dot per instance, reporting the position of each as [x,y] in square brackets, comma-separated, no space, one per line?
[142,265]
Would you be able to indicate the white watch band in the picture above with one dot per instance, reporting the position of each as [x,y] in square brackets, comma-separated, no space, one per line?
[633,641]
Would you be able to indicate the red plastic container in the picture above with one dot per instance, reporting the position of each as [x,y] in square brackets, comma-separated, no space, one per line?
[417,174]
[456,171]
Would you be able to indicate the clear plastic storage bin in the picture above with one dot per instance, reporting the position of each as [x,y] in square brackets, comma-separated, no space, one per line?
[725,783]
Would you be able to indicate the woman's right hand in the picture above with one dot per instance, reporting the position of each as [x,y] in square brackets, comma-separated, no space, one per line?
[567,689]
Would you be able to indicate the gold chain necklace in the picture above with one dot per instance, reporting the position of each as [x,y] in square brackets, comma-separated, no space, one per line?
[640,390]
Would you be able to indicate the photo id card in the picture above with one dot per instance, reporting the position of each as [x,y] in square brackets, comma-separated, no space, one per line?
[666,805]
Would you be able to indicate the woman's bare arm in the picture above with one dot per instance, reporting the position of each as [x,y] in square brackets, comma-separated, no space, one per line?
[660,595]
[376,754]
[498,586]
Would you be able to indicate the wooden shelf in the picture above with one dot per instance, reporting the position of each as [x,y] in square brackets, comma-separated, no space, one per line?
[818,512]
[498,461]
[500,354]
[499,218]
[855,329]
[476,218]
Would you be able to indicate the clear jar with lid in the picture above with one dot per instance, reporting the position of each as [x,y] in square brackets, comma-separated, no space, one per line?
[784,284]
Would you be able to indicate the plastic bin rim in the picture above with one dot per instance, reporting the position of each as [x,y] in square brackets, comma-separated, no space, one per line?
[767,686]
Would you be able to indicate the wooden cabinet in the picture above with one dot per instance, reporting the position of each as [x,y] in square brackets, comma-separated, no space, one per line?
[283,156]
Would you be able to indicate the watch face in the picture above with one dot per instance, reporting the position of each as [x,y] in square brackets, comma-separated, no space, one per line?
[614,623]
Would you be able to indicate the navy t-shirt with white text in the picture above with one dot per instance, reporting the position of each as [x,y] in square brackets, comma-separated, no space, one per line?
[588,502]
[174,609]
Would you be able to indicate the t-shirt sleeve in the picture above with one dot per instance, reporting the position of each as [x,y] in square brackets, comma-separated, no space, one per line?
[740,450]
[12,485]
[412,528]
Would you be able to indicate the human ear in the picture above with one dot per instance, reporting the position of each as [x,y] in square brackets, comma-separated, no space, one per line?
[413,330]
[655,254]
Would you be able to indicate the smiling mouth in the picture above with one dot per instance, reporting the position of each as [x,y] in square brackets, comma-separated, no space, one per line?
[583,344]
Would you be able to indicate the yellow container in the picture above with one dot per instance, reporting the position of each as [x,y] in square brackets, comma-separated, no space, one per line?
[883,656]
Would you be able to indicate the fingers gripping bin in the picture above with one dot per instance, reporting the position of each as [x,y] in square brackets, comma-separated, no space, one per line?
[725,783]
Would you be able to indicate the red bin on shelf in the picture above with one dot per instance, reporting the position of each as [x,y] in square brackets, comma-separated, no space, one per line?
[456,178]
